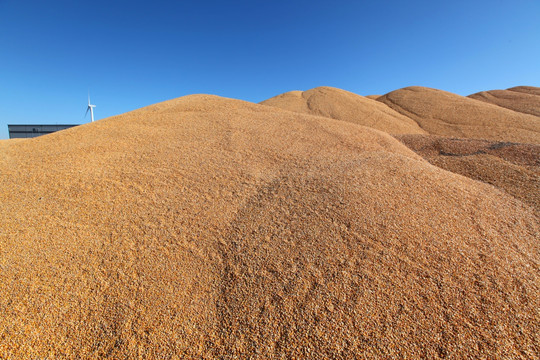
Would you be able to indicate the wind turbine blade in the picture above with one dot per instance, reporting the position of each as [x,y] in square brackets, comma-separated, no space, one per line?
[86,113]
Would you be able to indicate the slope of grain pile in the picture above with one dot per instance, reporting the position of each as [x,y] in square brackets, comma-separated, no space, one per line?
[204,227]
[443,113]
[520,101]
[532,90]
[343,105]
[512,167]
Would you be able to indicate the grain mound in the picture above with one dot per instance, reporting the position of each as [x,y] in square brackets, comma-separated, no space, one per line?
[524,102]
[205,227]
[446,114]
[527,89]
[343,105]
[513,168]
[373,97]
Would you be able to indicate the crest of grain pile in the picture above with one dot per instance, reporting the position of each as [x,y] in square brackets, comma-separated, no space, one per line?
[524,99]
[343,105]
[206,227]
[442,113]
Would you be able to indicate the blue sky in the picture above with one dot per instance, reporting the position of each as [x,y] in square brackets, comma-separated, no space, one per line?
[130,54]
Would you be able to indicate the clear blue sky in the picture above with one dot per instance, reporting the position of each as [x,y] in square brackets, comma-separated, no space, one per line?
[130,54]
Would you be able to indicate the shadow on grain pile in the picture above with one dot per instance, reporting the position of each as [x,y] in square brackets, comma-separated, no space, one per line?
[511,167]
[205,227]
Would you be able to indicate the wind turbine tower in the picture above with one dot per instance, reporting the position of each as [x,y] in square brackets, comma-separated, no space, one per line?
[90,108]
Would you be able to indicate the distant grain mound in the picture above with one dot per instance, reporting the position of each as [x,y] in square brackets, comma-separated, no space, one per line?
[343,105]
[204,227]
[524,102]
[373,97]
[527,89]
[514,168]
[443,113]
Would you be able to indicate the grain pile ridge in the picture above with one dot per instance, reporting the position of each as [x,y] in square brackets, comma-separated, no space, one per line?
[343,105]
[533,90]
[525,100]
[205,227]
[442,113]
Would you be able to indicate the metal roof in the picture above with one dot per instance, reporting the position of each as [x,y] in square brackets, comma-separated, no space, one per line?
[33,130]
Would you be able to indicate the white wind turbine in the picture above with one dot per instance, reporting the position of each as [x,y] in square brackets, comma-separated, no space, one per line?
[90,108]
